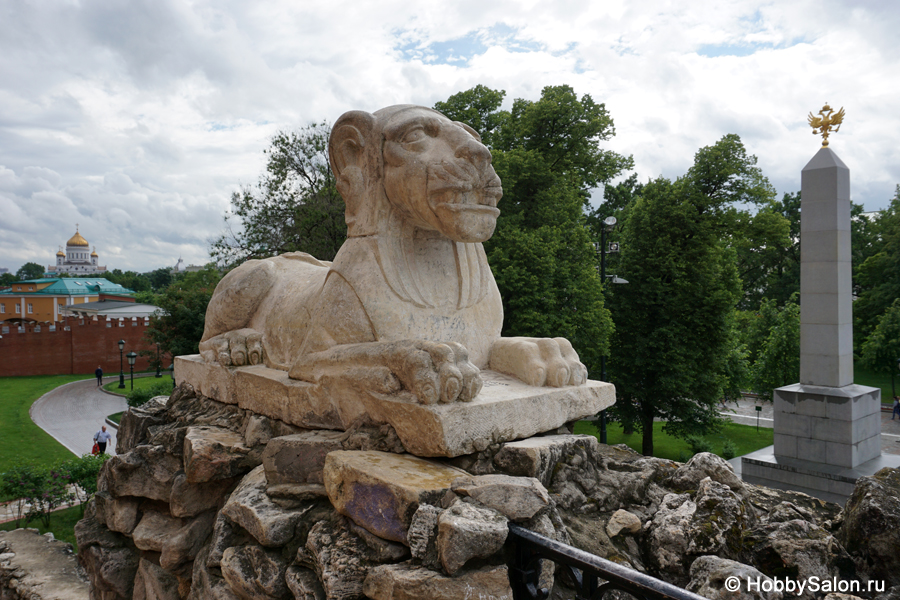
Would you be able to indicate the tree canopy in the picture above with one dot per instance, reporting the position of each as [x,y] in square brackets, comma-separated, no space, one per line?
[295,206]
[30,270]
[549,156]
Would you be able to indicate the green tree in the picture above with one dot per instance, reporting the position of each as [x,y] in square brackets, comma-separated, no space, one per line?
[675,340]
[777,360]
[548,154]
[877,280]
[7,279]
[160,279]
[30,270]
[179,326]
[295,206]
[881,350]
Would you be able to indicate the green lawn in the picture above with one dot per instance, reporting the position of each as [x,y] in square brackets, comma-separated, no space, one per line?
[879,380]
[19,436]
[62,524]
[744,437]
[139,384]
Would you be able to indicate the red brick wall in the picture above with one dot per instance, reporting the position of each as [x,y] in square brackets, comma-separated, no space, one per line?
[85,345]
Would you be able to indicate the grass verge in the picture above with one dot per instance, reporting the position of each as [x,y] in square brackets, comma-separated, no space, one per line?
[62,525]
[18,433]
[745,437]
[879,380]
[140,383]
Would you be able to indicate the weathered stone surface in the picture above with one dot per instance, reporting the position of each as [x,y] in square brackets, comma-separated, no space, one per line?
[145,471]
[871,527]
[406,582]
[422,535]
[182,547]
[298,492]
[683,529]
[109,559]
[519,498]
[613,478]
[466,532]
[212,453]
[154,529]
[538,456]
[506,409]
[797,550]
[254,573]
[304,584]
[380,491]
[250,507]
[703,465]
[622,521]
[37,566]
[299,458]
[135,423]
[154,583]
[709,573]
[259,430]
[206,584]
[118,514]
[190,499]
[339,557]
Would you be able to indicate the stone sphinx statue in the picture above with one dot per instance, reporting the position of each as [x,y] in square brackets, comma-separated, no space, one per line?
[409,303]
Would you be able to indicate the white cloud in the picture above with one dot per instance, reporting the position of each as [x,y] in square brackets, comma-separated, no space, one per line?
[138,120]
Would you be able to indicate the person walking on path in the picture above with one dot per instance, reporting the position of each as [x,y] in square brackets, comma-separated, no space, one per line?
[896,411]
[102,437]
[99,374]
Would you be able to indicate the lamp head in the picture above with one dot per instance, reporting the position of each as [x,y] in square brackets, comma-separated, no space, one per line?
[132,357]
[121,344]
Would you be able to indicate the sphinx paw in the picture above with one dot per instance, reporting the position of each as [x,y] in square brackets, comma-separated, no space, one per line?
[234,349]
[538,361]
[440,373]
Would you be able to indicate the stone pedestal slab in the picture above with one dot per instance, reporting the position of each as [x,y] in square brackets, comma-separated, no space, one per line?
[835,426]
[827,482]
[506,409]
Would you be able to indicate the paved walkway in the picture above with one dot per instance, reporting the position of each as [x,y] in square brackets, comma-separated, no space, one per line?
[744,412]
[74,412]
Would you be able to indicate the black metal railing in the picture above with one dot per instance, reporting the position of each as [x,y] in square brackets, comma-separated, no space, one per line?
[591,575]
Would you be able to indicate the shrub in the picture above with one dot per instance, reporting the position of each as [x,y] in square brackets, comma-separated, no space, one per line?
[143,395]
[698,444]
[729,450]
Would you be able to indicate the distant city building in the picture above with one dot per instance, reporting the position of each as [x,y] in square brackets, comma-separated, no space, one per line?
[76,260]
[3,270]
[45,300]
[181,268]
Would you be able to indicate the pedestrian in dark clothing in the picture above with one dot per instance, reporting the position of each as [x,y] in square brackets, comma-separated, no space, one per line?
[99,374]
[896,411]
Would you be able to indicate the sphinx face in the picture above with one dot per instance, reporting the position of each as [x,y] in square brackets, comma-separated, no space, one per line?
[439,174]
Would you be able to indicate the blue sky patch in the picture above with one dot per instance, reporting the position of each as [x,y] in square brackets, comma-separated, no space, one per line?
[461,50]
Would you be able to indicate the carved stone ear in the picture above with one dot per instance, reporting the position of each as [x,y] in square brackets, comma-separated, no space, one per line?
[347,154]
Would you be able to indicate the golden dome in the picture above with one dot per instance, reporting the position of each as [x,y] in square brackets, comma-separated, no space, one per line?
[77,240]
[60,253]
[94,253]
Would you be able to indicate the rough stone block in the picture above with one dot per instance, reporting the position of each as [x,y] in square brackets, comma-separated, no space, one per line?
[506,409]
[190,499]
[380,492]
[405,582]
[146,471]
[466,532]
[519,498]
[154,583]
[212,453]
[538,456]
[299,458]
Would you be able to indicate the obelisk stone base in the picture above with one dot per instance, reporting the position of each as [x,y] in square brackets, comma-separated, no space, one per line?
[837,426]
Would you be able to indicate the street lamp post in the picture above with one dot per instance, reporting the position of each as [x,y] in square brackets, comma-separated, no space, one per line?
[121,365]
[132,356]
[158,363]
[609,223]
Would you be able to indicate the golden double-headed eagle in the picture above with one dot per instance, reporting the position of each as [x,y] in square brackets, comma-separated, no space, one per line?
[823,124]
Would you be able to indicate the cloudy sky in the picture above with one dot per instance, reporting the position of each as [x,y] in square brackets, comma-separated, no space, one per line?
[138,119]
